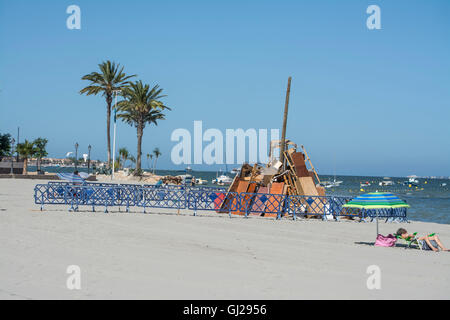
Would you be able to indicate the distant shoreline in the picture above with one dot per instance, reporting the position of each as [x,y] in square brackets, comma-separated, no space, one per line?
[33,168]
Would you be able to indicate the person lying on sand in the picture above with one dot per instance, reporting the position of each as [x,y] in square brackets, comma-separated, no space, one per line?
[431,242]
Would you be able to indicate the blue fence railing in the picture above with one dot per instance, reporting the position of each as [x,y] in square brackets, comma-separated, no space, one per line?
[201,199]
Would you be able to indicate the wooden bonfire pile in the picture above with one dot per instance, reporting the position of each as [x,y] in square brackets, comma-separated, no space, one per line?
[274,180]
[288,175]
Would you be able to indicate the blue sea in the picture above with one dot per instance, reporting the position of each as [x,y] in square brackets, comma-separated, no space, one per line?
[429,201]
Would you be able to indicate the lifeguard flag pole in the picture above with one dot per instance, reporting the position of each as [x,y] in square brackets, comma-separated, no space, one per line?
[283,132]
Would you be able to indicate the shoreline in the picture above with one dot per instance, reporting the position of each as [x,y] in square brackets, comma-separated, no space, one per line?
[320,175]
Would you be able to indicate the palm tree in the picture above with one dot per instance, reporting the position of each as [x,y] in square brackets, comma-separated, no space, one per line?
[123,154]
[132,159]
[5,145]
[149,157]
[40,145]
[140,106]
[26,150]
[157,153]
[110,79]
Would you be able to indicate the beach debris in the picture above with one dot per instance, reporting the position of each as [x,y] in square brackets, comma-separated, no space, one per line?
[177,180]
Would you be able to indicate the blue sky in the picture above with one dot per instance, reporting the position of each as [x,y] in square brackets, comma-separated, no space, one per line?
[366,102]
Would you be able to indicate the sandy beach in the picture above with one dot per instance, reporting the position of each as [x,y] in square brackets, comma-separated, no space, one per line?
[162,255]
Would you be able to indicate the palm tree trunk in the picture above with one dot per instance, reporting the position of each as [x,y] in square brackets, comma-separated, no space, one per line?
[139,145]
[108,125]
[25,166]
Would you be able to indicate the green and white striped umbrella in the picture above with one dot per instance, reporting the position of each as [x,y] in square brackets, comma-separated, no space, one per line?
[377,200]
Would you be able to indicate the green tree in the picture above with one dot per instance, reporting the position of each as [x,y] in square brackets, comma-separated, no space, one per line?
[5,145]
[141,106]
[26,150]
[110,78]
[149,158]
[40,145]
[117,165]
[123,155]
[72,160]
[157,154]
[132,159]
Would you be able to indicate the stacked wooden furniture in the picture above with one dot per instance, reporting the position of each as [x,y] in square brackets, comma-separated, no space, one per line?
[301,182]
[292,178]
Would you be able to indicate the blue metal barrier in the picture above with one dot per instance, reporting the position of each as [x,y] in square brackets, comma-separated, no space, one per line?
[267,205]
[154,197]
[212,200]
[320,206]
[202,199]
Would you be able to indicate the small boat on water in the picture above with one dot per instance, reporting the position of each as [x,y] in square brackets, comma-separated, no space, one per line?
[200,181]
[365,184]
[386,182]
[331,184]
[222,180]
[235,170]
[412,181]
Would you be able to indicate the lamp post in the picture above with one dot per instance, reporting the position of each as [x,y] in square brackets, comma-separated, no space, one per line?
[18,141]
[76,156]
[89,158]
[114,135]
[12,155]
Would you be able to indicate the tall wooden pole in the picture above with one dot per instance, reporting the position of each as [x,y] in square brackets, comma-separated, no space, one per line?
[283,133]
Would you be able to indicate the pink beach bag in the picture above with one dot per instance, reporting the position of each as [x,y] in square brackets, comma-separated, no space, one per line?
[385,241]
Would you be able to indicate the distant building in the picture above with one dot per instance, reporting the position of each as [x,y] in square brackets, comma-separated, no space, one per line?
[5,166]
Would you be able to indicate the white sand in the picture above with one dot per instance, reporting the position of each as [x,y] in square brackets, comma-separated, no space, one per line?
[165,256]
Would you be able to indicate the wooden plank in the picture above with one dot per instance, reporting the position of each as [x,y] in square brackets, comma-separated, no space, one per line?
[271,209]
[219,201]
[242,187]
[317,206]
[310,163]
[308,186]
[245,202]
[321,191]
[258,205]
[293,175]
[233,187]
[298,160]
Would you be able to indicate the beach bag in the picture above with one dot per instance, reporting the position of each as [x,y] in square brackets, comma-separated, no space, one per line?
[385,241]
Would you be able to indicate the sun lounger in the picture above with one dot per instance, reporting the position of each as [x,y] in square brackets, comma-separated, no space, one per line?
[410,241]
[413,240]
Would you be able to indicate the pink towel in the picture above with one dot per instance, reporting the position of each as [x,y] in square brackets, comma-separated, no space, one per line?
[385,241]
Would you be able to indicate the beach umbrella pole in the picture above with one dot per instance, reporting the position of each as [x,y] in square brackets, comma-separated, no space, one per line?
[377,223]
